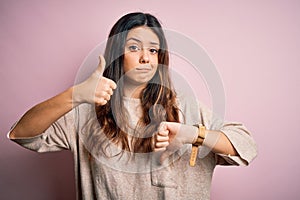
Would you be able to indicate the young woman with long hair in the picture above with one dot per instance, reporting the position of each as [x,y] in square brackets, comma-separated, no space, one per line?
[132,135]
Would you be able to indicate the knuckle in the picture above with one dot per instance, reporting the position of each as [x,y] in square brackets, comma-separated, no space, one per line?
[100,101]
[110,92]
[103,94]
[107,97]
[113,84]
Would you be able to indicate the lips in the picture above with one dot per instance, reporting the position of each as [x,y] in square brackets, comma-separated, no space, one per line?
[144,68]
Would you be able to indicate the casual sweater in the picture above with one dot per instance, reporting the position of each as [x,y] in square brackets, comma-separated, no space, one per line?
[118,174]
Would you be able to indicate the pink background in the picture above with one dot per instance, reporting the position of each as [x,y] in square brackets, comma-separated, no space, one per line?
[254,44]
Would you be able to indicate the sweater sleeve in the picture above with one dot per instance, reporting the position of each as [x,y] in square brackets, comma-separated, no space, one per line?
[56,138]
[237,134]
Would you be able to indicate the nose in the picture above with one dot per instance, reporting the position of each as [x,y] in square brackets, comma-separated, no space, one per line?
[144,58]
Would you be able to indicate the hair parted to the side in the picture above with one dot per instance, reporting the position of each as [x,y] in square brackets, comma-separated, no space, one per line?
[158,99]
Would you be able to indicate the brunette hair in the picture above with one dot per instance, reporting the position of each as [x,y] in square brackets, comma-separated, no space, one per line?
[158,99]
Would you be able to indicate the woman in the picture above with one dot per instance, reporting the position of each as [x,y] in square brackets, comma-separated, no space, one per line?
[131,135]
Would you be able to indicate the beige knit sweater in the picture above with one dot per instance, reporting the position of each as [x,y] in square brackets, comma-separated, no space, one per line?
[116,175]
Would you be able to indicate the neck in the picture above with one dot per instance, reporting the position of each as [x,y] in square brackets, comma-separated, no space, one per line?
[133,90]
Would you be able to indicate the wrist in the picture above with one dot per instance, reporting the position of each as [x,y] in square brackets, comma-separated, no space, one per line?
[194,132]
[76,97]
[201,134]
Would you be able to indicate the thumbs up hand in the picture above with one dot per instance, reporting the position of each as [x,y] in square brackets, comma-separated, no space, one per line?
[96,89]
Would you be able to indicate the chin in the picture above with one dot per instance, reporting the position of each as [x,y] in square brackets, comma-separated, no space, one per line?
[141,81]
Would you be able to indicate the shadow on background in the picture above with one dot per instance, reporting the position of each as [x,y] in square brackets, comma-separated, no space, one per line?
[23,172]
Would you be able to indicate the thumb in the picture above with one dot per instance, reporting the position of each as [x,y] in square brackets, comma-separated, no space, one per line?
[101,66]
[163,126]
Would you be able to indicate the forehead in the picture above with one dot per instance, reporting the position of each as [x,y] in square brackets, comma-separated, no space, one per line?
[143,34]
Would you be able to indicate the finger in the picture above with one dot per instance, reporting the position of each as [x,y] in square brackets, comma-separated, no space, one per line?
[160,149]
[162,126]
[107,97]
[163,133]
[110,91]
[112,84]
[160,138]
[105,87]
[108,83]
[101,66]
[161,144]
[100,102]
[103,95]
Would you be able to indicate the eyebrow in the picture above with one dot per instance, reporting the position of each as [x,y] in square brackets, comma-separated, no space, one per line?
[139,41]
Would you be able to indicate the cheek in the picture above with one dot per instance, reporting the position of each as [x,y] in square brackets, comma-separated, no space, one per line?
[154,59]
[154,66]
[129,62]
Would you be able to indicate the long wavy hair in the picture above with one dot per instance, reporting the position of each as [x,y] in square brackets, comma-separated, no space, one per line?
[158,98]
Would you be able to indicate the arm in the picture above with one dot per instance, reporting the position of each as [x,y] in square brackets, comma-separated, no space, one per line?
[40,117]
[219,143]
[172,136]
[96,89]
[232,143]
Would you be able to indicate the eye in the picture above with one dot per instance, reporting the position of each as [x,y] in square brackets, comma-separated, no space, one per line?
[153,51]
[133,48]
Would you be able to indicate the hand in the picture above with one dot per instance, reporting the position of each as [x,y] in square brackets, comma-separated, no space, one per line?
[96,89]
[172,136]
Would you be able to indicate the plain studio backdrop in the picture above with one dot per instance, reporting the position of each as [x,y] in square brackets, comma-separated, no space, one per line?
[253,44]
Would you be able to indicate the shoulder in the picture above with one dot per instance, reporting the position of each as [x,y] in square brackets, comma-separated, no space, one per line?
[189,109]
[190,102]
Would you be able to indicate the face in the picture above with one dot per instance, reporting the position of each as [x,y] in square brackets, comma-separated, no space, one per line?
[141,55]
